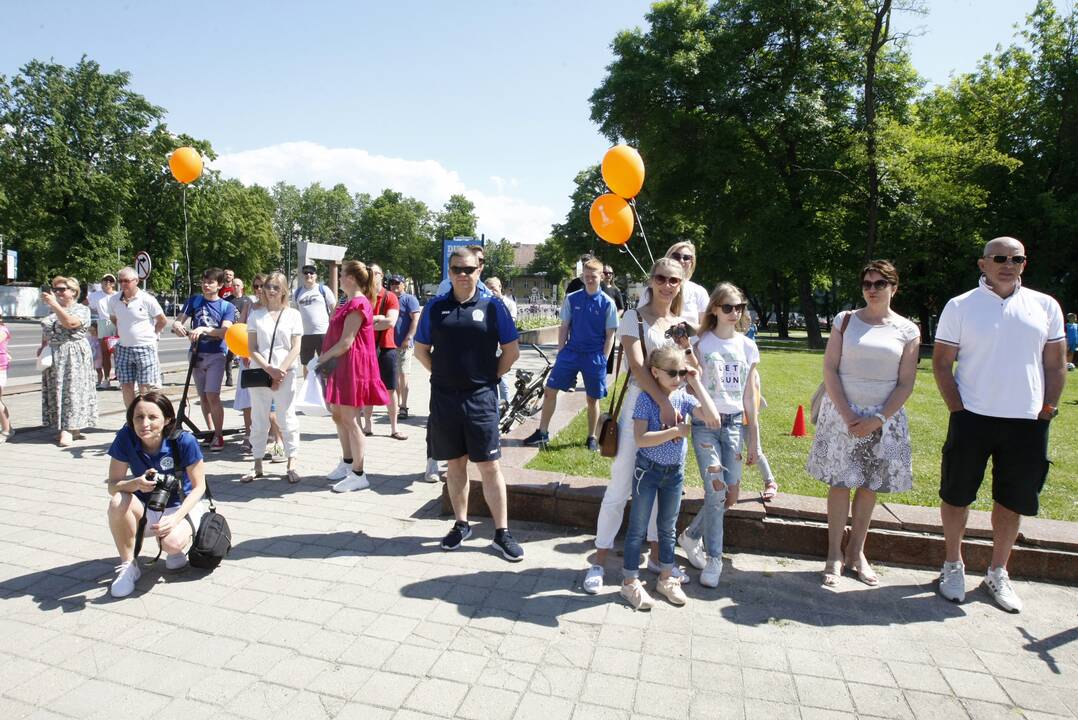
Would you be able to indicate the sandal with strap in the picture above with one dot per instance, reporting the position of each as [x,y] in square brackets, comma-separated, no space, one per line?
[865,574]
[831,573]
[251,477]
[771,489]
[398,436]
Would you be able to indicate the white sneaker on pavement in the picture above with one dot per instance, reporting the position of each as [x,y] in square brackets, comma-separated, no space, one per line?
[953,581]
[593,579]
[637,596]
[354,481]
[127,574]
[694,550]
[175,562]
[340,472]
[671,588]
[432,474]
[677,573]
[1000,588]
[711,573]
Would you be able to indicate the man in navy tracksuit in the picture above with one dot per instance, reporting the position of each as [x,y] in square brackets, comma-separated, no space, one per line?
[458,339]
[589,318]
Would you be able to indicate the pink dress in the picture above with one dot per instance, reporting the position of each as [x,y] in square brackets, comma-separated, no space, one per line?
[355,381]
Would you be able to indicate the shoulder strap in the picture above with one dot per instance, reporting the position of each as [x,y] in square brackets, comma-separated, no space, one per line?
[640,334]
[845,324]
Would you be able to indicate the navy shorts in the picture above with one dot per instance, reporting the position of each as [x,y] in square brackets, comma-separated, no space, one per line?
[570,362]
[387,367]
[1019,452]
[464,422]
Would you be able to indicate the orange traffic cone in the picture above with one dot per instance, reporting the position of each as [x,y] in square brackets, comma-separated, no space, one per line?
[799,422]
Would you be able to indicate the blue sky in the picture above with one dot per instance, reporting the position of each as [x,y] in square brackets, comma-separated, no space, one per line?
[429,98]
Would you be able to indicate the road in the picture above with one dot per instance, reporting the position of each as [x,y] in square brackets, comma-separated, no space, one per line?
[26,337]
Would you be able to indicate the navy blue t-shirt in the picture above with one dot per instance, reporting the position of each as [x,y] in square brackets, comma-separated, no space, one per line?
[127,447]
[464,339]
[408,305]
[211,314]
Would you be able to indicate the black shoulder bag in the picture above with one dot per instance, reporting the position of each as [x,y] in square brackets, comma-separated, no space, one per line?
[257,377]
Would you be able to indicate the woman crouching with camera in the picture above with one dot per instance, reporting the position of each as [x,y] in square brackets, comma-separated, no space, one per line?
[142,481]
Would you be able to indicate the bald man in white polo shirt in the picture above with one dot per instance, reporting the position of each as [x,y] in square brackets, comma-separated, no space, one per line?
[1010,347]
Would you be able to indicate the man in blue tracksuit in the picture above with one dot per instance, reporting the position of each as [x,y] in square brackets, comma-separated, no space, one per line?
[589,318]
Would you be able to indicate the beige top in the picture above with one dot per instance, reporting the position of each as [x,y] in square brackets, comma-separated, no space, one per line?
[871,355]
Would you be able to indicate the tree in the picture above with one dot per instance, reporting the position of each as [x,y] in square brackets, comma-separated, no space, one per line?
[457,219]
[550,261]
[498,260]
[232,226]
[395,231]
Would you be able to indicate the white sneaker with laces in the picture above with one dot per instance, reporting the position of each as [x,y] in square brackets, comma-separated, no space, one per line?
[678,574]
[340,472]
[354,481]
[694,550]
[953,581]
[671,588]
[593,579]
[432,474]
[127,574]
[175,562]
[636,595]
[1000,588]
[711,573]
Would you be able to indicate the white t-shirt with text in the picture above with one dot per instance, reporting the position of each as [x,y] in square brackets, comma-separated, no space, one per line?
[726,364]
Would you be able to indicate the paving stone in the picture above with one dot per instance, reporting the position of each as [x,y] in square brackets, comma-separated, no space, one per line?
[914,676]
[296,671]
[656,700]
[437,697]
[543,707]
[718,706]
[866,670]
[584,711]
[411,660]
[930,706]
[823,692]
[609,691]
[557,680]
[757,708]
[879,701]
[977,686]
[811,662]
[485,703]
[769,685]
[386,689]
[1034,697]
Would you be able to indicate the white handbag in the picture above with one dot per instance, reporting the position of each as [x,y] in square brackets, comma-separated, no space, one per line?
[44,358]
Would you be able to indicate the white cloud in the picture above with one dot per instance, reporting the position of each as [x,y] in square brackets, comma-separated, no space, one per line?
[302,163]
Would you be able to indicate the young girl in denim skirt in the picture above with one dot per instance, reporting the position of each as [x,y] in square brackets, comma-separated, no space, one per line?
[728,361]
[659,472]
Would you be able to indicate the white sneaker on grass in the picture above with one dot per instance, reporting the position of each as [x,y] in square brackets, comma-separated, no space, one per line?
[694,550]
[176,561]
[127,574]
[953,581]
[353,481]
[711,573]
[340,472]
[593,579]
[999,586]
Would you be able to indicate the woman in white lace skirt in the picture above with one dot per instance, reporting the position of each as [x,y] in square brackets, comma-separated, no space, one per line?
[862,442]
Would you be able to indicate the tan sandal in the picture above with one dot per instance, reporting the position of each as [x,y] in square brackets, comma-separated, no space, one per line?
[831,573]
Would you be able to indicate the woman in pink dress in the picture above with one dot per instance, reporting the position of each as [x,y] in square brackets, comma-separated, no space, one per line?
[349,365]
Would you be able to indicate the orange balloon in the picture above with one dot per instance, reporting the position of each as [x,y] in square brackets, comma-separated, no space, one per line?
[236,339]
[623,171]
[612,219]
[185,164]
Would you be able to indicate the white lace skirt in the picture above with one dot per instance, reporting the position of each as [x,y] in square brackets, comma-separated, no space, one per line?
[882,462]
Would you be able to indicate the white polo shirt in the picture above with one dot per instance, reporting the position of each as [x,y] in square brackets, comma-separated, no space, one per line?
[1000,345]
[135,319]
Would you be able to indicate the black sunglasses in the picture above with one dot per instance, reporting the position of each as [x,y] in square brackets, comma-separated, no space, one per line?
[875,284]
[463,269]
[310,272]
[675,373]
[1001,259]
[258,287]
[682,257]
[728,308]
[59,288]
[672,281]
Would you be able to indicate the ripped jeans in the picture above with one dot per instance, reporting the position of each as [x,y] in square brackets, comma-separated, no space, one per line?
[653,483]
[718,454]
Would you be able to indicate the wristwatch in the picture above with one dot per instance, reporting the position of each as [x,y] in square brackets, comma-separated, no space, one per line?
[1050,410]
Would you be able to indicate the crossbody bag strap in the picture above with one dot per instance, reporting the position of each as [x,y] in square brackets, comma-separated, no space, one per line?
[845,324]
[615,403]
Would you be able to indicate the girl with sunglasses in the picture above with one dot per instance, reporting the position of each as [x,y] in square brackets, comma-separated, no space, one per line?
[862,442]
[659,310]
[659,472]
[694,297]
[728,360]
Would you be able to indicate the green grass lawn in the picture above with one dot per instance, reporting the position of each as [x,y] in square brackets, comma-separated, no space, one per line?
[789,378]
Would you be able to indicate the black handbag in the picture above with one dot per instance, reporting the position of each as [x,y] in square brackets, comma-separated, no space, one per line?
[257,377]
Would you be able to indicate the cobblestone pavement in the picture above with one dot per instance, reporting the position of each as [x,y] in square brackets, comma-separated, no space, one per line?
[344,607]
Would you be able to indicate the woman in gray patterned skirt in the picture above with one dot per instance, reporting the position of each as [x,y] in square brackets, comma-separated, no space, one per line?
[68,393]
[862,438]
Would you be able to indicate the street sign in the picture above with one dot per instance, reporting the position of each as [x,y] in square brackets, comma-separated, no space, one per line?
[12,263]
[142,264]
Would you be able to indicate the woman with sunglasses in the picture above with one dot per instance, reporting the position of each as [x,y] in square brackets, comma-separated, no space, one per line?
[68,389]
[659,310]
[862,443]
[274,331]
[694,297]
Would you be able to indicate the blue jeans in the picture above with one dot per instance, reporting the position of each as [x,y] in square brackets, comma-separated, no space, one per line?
[715,448]
[653,481]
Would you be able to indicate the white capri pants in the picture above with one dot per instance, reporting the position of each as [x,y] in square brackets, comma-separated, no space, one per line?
[620,488]
[282,397]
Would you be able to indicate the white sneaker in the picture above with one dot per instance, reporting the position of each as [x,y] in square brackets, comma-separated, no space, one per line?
[953,581]
[999,587]
[671,588]
[694,550]
[277,454]
[677,573]
[340,472]
[432,474]
[175,562]
[127,574]
[712,572]
[593,579]
[636,595]
[354,481]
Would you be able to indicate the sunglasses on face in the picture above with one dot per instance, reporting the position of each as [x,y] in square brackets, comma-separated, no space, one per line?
[59,288]
[274,288]
[309,272]
[661,279]
[1001,259]
[463,269]
[867,285]
[128,280]
[675,373]
[258,287]
[728,308]
[681,257]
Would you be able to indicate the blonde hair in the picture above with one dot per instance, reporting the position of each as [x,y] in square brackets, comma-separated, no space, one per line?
[667,354]
[673,267]
[594,264]
[284,294]
[680,246]
[71,283]
[725,291]
[363,276]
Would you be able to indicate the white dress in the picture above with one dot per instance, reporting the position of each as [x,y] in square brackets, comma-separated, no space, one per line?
[868,369]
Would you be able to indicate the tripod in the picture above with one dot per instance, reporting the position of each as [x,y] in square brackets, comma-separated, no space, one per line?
[182,419]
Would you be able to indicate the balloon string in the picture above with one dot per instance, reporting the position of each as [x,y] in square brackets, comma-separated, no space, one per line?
[186,244]
[640,224]
[625,249]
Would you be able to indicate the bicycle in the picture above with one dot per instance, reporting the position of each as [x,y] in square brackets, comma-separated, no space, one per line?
[528,394]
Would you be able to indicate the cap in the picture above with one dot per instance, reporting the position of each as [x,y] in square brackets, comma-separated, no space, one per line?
[396,278]
[110,277]
[309,268]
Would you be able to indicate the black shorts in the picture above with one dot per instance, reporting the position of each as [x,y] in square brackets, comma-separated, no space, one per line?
[309,346]
[464,422]
[1019,452]
[387,367]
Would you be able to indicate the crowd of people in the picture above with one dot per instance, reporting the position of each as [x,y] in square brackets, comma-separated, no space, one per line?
[1000,360]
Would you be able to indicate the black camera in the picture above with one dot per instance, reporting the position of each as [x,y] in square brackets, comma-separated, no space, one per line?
[681,330]
[164,487]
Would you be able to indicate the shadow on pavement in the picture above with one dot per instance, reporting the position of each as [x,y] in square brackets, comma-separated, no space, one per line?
[1043,646]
